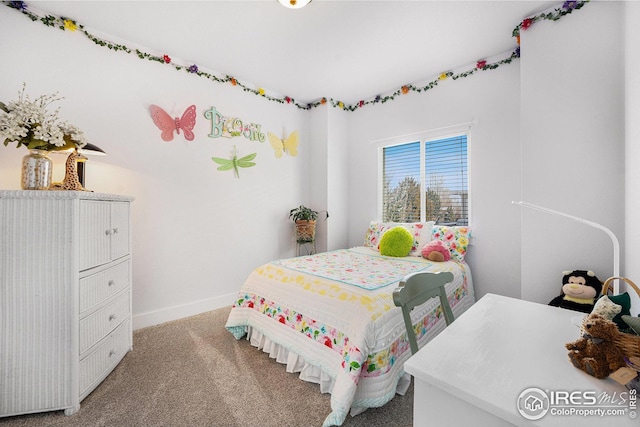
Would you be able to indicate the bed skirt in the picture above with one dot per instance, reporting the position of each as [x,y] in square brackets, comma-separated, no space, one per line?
[313,374]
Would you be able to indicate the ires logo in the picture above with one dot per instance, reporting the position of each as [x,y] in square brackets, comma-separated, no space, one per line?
[534,403]
[573,398]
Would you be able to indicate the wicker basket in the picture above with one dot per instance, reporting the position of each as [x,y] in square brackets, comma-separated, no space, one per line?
[305,231]
[628,343]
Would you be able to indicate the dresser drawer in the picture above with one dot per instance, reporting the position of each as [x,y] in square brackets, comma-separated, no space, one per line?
[100,286]
[99,363]
[98,324]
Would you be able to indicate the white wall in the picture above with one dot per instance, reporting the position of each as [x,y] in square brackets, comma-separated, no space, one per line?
[572,145]
[492,98]
[632,147]
[197,232]
[316,173]
[338,165]
[550,131]
[328,175]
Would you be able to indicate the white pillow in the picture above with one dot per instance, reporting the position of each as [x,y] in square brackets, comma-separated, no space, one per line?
[606,308]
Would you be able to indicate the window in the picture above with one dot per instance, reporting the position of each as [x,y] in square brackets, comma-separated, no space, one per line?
[426,181]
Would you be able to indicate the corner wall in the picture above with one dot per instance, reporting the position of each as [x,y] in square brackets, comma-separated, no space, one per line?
[197,232]
[572,145]
[491,99]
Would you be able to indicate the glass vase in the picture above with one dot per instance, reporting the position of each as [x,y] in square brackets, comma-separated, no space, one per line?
[36,170]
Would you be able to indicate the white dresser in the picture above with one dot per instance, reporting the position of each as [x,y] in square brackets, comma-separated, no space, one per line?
[65,296]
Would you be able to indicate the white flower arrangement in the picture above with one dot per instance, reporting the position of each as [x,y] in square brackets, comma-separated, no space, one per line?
[26,122]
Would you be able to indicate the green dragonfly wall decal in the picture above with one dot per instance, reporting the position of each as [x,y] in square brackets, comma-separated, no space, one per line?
[235,162]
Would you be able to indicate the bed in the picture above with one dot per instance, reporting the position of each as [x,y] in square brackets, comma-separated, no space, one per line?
[331,317]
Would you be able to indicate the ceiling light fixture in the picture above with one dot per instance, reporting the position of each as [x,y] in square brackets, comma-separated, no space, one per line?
[294,4]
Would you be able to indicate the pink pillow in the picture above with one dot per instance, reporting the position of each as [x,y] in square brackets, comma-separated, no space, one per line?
[436,250]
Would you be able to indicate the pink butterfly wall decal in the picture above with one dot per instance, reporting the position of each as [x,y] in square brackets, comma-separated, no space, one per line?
[167,124]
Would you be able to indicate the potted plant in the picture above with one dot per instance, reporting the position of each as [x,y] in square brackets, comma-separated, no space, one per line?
[305,219]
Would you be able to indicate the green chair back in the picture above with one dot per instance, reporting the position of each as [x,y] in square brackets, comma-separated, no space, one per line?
[416,289]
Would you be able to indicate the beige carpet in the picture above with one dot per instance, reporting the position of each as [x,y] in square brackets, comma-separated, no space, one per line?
[192,372]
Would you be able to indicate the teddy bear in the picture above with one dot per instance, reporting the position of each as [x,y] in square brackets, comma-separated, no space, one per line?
[595,352]
[436,250]
[580,289]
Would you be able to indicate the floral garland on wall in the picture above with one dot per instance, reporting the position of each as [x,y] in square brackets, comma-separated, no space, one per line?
[67,24]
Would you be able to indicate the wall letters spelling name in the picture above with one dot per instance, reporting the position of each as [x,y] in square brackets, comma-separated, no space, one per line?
[230,127]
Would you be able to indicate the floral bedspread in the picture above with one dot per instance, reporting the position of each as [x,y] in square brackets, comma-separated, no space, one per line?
[344,322]
[354,268]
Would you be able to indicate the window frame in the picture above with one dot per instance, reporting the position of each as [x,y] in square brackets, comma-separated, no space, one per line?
[423,138]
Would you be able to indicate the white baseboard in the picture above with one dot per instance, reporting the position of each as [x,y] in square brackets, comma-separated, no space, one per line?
[156,317]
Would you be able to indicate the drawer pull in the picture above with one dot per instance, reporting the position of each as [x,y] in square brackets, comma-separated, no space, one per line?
[112,317]
[107,232]
[112,352]
[111,283]
[115,231]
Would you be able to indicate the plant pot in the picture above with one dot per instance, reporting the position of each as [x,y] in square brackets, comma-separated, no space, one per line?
[305,231]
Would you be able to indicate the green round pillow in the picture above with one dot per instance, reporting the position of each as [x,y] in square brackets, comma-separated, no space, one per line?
[397,242]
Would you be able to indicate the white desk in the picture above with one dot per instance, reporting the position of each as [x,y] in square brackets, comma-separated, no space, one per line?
[474,371]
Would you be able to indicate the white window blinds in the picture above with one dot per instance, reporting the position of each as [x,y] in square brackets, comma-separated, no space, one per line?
[426,181]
